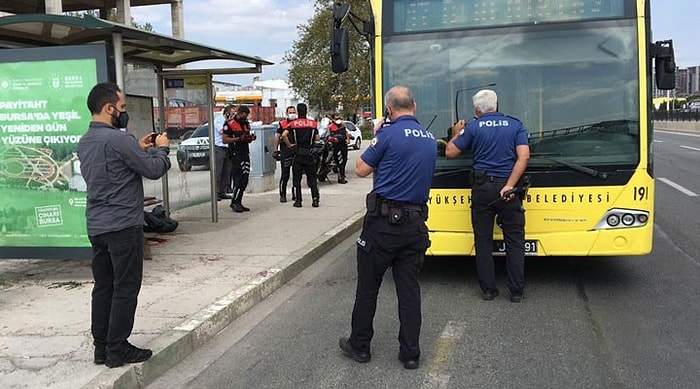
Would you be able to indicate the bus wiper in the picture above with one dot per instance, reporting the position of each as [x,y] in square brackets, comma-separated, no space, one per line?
[579,168]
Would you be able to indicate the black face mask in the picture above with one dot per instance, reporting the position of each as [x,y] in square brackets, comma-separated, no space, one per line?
[120,121]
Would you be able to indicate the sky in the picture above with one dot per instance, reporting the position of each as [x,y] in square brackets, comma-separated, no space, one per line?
[267,28]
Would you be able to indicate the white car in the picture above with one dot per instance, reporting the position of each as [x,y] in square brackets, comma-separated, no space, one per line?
[355,135]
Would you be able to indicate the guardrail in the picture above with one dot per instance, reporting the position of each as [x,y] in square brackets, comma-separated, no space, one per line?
[677,116]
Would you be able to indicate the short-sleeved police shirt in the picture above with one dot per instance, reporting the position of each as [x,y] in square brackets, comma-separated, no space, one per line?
[403,156]
[493,138]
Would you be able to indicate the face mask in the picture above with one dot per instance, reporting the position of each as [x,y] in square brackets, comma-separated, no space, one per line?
[120,121]
[292,116]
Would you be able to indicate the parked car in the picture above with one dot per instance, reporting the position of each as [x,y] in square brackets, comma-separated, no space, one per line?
[194,151]
[355,135]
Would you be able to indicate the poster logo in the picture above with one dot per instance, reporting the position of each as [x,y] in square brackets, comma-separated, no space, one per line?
[48,216]
[56,82]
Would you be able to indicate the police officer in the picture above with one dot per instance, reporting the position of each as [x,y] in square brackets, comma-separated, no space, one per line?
[339,136]
[501,152]
[283,153]
[237,135]
[221,154]
[394,233]
[300,135]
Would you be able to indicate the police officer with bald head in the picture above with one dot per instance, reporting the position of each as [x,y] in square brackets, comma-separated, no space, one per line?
[402,156]
[501,152]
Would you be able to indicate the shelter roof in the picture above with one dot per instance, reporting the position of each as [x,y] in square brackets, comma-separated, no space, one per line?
[38,6]
[37,30]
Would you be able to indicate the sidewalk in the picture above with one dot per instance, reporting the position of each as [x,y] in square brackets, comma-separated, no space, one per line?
[201,278]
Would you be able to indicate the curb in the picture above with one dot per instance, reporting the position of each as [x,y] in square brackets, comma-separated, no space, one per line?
[174,345]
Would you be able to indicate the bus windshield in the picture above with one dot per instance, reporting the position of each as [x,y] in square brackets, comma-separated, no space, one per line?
[575,86]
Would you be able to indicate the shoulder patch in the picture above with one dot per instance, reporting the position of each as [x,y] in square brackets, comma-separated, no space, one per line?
[373,142]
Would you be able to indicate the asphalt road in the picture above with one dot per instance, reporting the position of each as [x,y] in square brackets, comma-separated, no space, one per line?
[628,322]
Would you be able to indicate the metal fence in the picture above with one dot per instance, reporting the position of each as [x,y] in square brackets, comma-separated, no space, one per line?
[675,116]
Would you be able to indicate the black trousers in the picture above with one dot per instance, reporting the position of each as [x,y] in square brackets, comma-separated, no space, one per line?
[241,174]
[117,267]
[304,165]
[511,218]
[400,246]
[340,156]
[223,170]
[286,161]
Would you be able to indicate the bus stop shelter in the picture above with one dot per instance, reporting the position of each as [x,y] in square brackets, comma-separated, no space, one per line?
[124,44]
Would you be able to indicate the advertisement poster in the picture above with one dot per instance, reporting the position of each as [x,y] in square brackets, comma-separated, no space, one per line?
[43,115]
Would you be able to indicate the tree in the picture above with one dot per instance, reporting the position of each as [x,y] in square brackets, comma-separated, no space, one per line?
[309,60]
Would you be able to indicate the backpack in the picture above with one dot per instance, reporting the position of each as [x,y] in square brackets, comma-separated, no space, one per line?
[156,221]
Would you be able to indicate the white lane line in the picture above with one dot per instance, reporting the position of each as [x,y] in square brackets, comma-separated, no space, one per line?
[690,148]
[685,191]
[437,377]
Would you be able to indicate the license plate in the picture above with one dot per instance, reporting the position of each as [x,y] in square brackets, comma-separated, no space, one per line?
[499,247]
[197,155]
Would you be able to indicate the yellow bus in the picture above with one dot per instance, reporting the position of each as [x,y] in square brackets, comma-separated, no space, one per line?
[578,74]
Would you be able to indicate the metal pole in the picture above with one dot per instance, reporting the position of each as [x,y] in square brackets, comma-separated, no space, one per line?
[212,151]
[161,121]
[118,58]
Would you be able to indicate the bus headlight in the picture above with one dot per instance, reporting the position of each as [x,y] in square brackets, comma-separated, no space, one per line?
[622,218]
[628,219]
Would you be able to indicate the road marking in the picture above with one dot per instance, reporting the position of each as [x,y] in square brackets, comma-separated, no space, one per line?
[658,141]
[678,187]
[444,349]
[677,133]
[691,148]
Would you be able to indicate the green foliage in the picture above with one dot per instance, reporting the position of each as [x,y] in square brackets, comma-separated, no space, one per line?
[309,60]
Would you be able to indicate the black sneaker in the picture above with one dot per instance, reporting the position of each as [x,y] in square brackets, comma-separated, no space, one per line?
[409,364]
[283,198]
[516,297]
[314,203]
[127,353]
[489,295]
[244,208]
[342,180]
[297,204]
[236,208]
[358,356]
[100,355]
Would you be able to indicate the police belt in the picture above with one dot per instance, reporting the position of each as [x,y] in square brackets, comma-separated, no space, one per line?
[377,206]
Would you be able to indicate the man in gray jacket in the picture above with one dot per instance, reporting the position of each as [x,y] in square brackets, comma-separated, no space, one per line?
[113,164]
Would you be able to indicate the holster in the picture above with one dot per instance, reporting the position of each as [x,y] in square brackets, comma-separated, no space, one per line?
[373,203]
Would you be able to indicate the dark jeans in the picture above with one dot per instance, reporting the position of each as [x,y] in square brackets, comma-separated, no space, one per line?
[223,170]
[511,217]
[304,165]
[382,245]
[117,267]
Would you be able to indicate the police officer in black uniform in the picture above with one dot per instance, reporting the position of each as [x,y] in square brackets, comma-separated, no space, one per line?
[283,153]
[501,152]
[300,135]
[237,135]
[394,233]
[339,136]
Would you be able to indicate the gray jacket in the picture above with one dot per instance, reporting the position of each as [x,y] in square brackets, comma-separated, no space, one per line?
[113,164]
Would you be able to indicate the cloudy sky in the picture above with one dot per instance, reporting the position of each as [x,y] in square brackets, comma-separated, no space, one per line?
[267,28]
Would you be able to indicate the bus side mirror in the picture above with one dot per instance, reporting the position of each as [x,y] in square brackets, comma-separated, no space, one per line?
[339,50]
[340,12]
[664,64]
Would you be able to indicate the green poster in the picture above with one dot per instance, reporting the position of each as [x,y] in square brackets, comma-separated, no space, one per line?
[43,114]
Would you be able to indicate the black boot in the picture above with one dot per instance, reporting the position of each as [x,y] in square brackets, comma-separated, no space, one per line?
[283,198]
[314,203]
[283,192]
[238,208]
[342,180]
